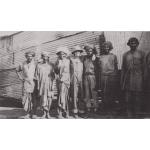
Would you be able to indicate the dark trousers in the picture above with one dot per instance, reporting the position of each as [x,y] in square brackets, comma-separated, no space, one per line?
[133,101]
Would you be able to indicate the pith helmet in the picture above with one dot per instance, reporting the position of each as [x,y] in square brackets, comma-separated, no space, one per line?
[77,48]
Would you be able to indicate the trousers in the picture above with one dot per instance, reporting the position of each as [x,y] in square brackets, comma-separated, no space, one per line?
[133,100]
[90,91]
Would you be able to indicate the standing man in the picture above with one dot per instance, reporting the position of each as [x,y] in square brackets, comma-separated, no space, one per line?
[76,80]
[26,73]
[147,82]
[62,69]
[108,76]
[132,77]
[91,73]
[44,75]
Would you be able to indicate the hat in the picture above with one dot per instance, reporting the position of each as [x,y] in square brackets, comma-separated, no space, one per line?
[77,48]
[44,53]
[109,44]
[89,46]
[133,39]
[30,53]
[62,49]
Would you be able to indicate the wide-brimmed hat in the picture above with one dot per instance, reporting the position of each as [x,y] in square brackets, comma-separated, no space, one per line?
[30,53]
[77,48]
[89,46]
[63,49]
[44,53]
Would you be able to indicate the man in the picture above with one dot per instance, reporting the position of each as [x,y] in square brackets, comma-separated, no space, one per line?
[26,73]
[147,82]
[76,80]
[62,69]
[132,77]
[90,72]
[44,75]
[108,76]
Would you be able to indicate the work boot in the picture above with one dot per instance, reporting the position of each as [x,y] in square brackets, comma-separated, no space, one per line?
[76,116]
[60,115]
[48,116]
[44,115]
[34,116]
[66,115]
[27,116]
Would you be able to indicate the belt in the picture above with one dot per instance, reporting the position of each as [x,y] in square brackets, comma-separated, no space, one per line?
[89,73]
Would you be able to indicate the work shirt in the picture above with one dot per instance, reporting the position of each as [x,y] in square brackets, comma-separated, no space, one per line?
[44,75]
[108,64]
[76,69]
[27,72]
[62,68]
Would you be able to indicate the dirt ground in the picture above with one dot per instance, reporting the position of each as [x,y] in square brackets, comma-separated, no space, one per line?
[12,109]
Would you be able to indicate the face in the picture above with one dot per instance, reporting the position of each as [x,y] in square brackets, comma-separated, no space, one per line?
[45,58]
[62,55]
[29,57]
[89,52]
[77,53]
[133,45]
[106,48]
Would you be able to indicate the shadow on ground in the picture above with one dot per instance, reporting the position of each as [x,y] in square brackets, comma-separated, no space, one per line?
[10,102]
[12,109]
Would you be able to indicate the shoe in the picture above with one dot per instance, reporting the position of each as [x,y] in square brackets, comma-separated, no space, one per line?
[44,116]
[48,116]
[26,116]
[60,116]
[34,116]
[67,116]
[76,116]
[81,111]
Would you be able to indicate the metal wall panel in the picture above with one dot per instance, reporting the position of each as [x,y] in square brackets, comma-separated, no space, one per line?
[10,85]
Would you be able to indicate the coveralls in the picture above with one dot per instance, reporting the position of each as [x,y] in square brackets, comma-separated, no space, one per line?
[44,75]
[27,72]
[90,82]
[62,68]
[76,69]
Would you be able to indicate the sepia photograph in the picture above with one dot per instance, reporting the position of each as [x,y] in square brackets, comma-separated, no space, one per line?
[74,74]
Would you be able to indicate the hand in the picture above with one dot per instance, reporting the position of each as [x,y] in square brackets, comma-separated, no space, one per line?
[51,94]
[93,57]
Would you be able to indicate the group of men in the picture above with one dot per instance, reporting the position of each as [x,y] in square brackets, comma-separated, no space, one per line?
[82,79]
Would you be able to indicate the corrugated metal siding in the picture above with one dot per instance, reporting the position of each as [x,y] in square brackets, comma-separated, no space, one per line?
[25,41]
[120,39]
[81,39]
[49,41]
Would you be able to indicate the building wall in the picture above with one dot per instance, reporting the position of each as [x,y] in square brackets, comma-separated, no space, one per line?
[120,39]
[12,49]
[10,85]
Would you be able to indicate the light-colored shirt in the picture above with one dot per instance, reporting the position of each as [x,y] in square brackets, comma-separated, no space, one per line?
[44,74]
[108,64]
[76,68]
[27,71]
[62,68]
